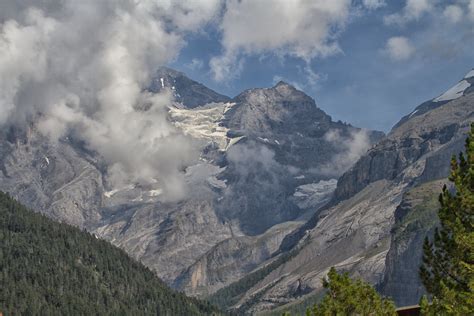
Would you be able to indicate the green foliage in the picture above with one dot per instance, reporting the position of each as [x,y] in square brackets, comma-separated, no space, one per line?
[48,268]
[448,263]
[350,297]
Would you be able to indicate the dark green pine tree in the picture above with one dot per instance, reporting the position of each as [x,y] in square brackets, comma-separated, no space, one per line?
[448,262]
[345,296]
[50,268]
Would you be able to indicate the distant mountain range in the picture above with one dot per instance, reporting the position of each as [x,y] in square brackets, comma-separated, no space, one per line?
[280,194]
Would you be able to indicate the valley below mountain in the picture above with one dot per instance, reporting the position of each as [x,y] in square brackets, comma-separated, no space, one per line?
[280,193]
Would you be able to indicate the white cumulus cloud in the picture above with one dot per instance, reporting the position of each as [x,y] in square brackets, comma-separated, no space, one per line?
[399,48]
[80,68]
[299,28]
[374,4]
[453,13]
[471,9]
[413,10]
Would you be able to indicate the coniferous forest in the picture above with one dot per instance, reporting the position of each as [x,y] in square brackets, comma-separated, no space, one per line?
[49,268]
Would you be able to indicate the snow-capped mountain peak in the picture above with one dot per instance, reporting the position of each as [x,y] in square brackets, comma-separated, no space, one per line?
[470,74]
[457,90]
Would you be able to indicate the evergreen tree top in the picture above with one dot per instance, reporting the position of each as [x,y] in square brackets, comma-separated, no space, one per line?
[448,262]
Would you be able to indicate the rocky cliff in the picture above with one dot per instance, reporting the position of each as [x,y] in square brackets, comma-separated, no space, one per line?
[265,168]
[381,211]
[187,92]
[264,214]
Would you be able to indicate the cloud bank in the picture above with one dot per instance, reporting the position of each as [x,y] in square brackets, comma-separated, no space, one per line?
[300,28]
[81,67]
[453,13]
[444,29]
[413,10]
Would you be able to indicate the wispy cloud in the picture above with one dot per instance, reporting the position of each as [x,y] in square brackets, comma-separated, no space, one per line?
[413,10]
[303,29]
[195,64]
[453,13]
[350,149]
[81,68]
[399,48]
[374,4]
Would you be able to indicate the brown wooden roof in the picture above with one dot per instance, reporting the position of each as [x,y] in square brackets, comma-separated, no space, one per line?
[413,310]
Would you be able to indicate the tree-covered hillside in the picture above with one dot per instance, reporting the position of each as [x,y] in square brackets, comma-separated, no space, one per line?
[50,268]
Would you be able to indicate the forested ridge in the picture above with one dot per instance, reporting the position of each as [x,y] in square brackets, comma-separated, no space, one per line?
[50,268]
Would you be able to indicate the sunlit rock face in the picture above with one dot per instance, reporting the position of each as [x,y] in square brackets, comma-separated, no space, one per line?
[189,93]
[265,184]
[268,161]
[381,211]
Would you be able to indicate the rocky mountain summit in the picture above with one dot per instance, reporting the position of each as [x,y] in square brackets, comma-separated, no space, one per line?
[382,209]
[269,160]
[280,193]
[186,91]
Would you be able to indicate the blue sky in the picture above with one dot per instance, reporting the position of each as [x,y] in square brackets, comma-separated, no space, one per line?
[82,67]
[367,81]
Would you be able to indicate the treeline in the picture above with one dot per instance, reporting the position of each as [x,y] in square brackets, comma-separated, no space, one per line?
[49,268]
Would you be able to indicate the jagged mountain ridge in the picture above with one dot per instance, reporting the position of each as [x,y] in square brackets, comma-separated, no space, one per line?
[413,131]
[377,217]
[265,179]
[250,189]
[463,87]
[186,91]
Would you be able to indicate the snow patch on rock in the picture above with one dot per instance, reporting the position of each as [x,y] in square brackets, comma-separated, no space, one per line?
[155,192]
[470,74]
[455,92]
[204,123]
[109,194]
[413,113]
[207,173]
[314,194]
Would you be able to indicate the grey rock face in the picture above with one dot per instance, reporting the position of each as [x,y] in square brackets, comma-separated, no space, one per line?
[188,92]
[289,121]
[437,102]
[415,218]
[286,136]
[277,110]
[262,147]
[406,144]
[352,236]
[232,259]
[381,212]
[167,238]
[59,179]
[257,184]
